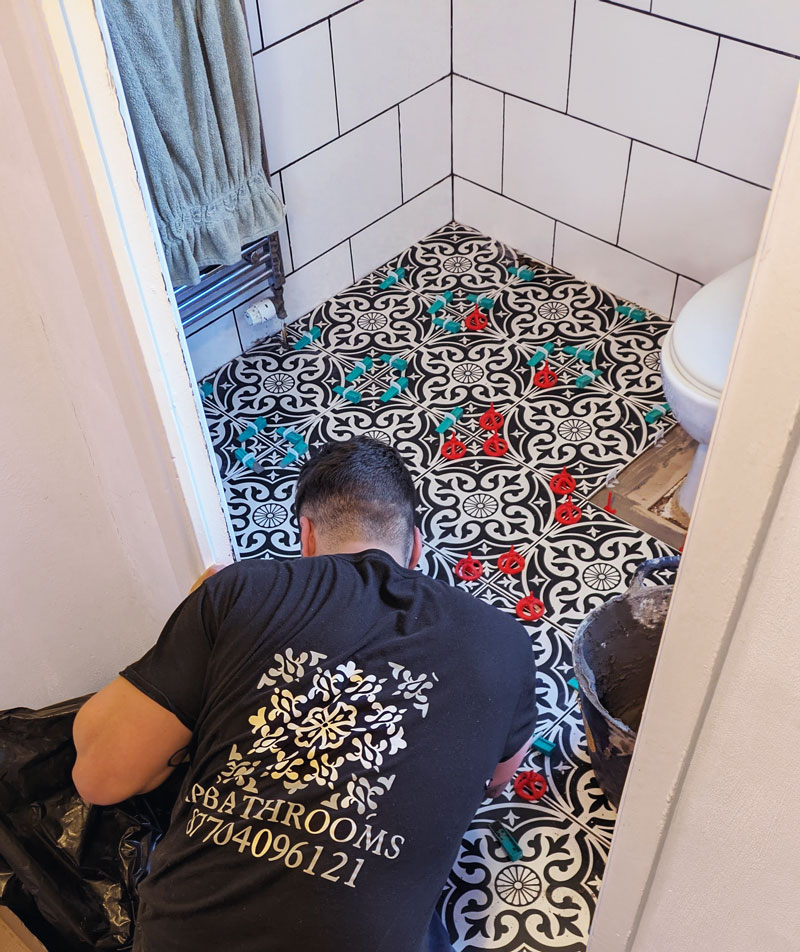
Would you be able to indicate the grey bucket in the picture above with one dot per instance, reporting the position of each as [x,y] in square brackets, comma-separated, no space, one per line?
[613,653]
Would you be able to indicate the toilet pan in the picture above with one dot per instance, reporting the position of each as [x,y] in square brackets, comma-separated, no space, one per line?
[694,361]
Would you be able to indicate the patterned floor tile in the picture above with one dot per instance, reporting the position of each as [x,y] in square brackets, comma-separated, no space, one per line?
[285,386]
[456,259]
[398,421]
[543,901]
[471,371]
[482,505]
[592,432]
[366,321]
[260,507]
[631,360]
[572,786]
[573,569]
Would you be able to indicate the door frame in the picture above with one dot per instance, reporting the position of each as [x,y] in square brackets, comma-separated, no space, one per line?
[79,114]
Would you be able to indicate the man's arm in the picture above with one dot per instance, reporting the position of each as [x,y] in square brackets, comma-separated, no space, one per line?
[126,743]
[505,771]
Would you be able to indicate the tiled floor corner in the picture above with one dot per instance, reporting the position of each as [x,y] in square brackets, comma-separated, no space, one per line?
[345,382]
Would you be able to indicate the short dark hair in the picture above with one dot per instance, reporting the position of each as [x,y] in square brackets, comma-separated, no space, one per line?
[358,486]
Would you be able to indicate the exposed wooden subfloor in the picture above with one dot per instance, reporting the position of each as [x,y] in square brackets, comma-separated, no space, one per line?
[646,494]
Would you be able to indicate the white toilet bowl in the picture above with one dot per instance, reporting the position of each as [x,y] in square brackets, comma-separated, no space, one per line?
[694,361]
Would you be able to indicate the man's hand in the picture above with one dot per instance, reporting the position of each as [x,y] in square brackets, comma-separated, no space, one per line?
[504,772]
[211,570]
[126,743]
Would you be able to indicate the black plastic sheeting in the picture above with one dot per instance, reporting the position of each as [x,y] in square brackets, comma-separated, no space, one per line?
[68,870]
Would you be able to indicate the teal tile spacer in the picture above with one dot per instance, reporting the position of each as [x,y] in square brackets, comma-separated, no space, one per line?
[524,274]
[392,278]
[507,841]
[583,354]
[289,435]
[348,393]
[586,379]
[441,301]
[542,354]
[206,388]
[634,313]
[248,459]
[485,303]
[453,326]
[656,413]
[360,367]
[543,745]
[307,338]
[397,362]
[294,454]
[450,419]
[573,683]
[252,430]
[638,315]
[396,388]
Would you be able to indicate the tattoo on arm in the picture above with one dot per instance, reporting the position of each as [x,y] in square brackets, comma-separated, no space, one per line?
[178,757]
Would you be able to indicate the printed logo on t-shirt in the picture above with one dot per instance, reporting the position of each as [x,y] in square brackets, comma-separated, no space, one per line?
[347,724]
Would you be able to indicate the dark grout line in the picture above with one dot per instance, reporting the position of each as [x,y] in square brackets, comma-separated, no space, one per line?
[452,146]
[333,74]
[503,147]
[708,100]
[571,44]
[260,29]
[400,149]
[352,263]
[674,295]
[624,192]
[588,234]
[553,252]
[377,115]
[308,26]
[700,29]
[622,135]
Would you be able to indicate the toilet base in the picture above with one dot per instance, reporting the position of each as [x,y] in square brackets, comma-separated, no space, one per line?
[688,490]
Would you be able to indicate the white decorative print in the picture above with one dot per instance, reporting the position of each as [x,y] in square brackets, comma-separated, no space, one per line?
[413,687]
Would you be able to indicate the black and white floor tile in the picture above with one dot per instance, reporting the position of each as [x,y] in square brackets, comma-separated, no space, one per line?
[475,502]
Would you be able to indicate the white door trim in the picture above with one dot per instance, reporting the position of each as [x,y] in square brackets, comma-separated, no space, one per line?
[91,127]
[754,442]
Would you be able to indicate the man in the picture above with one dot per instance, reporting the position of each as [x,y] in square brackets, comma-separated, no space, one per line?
[343,716]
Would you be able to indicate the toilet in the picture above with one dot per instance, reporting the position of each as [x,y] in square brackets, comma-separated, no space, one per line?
[694,362]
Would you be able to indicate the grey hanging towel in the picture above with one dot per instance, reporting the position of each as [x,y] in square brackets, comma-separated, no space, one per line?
[187,72]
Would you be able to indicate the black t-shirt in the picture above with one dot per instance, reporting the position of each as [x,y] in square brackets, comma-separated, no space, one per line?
[346,715]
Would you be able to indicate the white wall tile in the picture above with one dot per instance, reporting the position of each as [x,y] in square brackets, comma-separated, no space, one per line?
[624,75]
[253,26]
[519,46]
[311,285]
[564,168]
[425,138]
[688,218]
[773,23]
[385,51]
[635,4]
[213,346]
[283,234]
[499,217]
[477,132]
[279,18]
[295,88]
[392,234]
[748,112]
[343,187]
[614,269]
[684,290]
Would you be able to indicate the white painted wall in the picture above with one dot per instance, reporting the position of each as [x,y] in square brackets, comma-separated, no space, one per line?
[629,149]
[102,531]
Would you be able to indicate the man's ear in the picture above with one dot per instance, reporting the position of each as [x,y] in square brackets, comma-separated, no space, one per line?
[308,537]
[416,549]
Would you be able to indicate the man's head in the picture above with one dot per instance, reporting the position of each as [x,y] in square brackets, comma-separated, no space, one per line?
[357,495]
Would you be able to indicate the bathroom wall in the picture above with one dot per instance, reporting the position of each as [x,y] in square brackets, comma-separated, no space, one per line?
[633,143]
[355,101]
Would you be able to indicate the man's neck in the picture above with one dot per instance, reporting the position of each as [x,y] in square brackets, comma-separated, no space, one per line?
[353,546]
